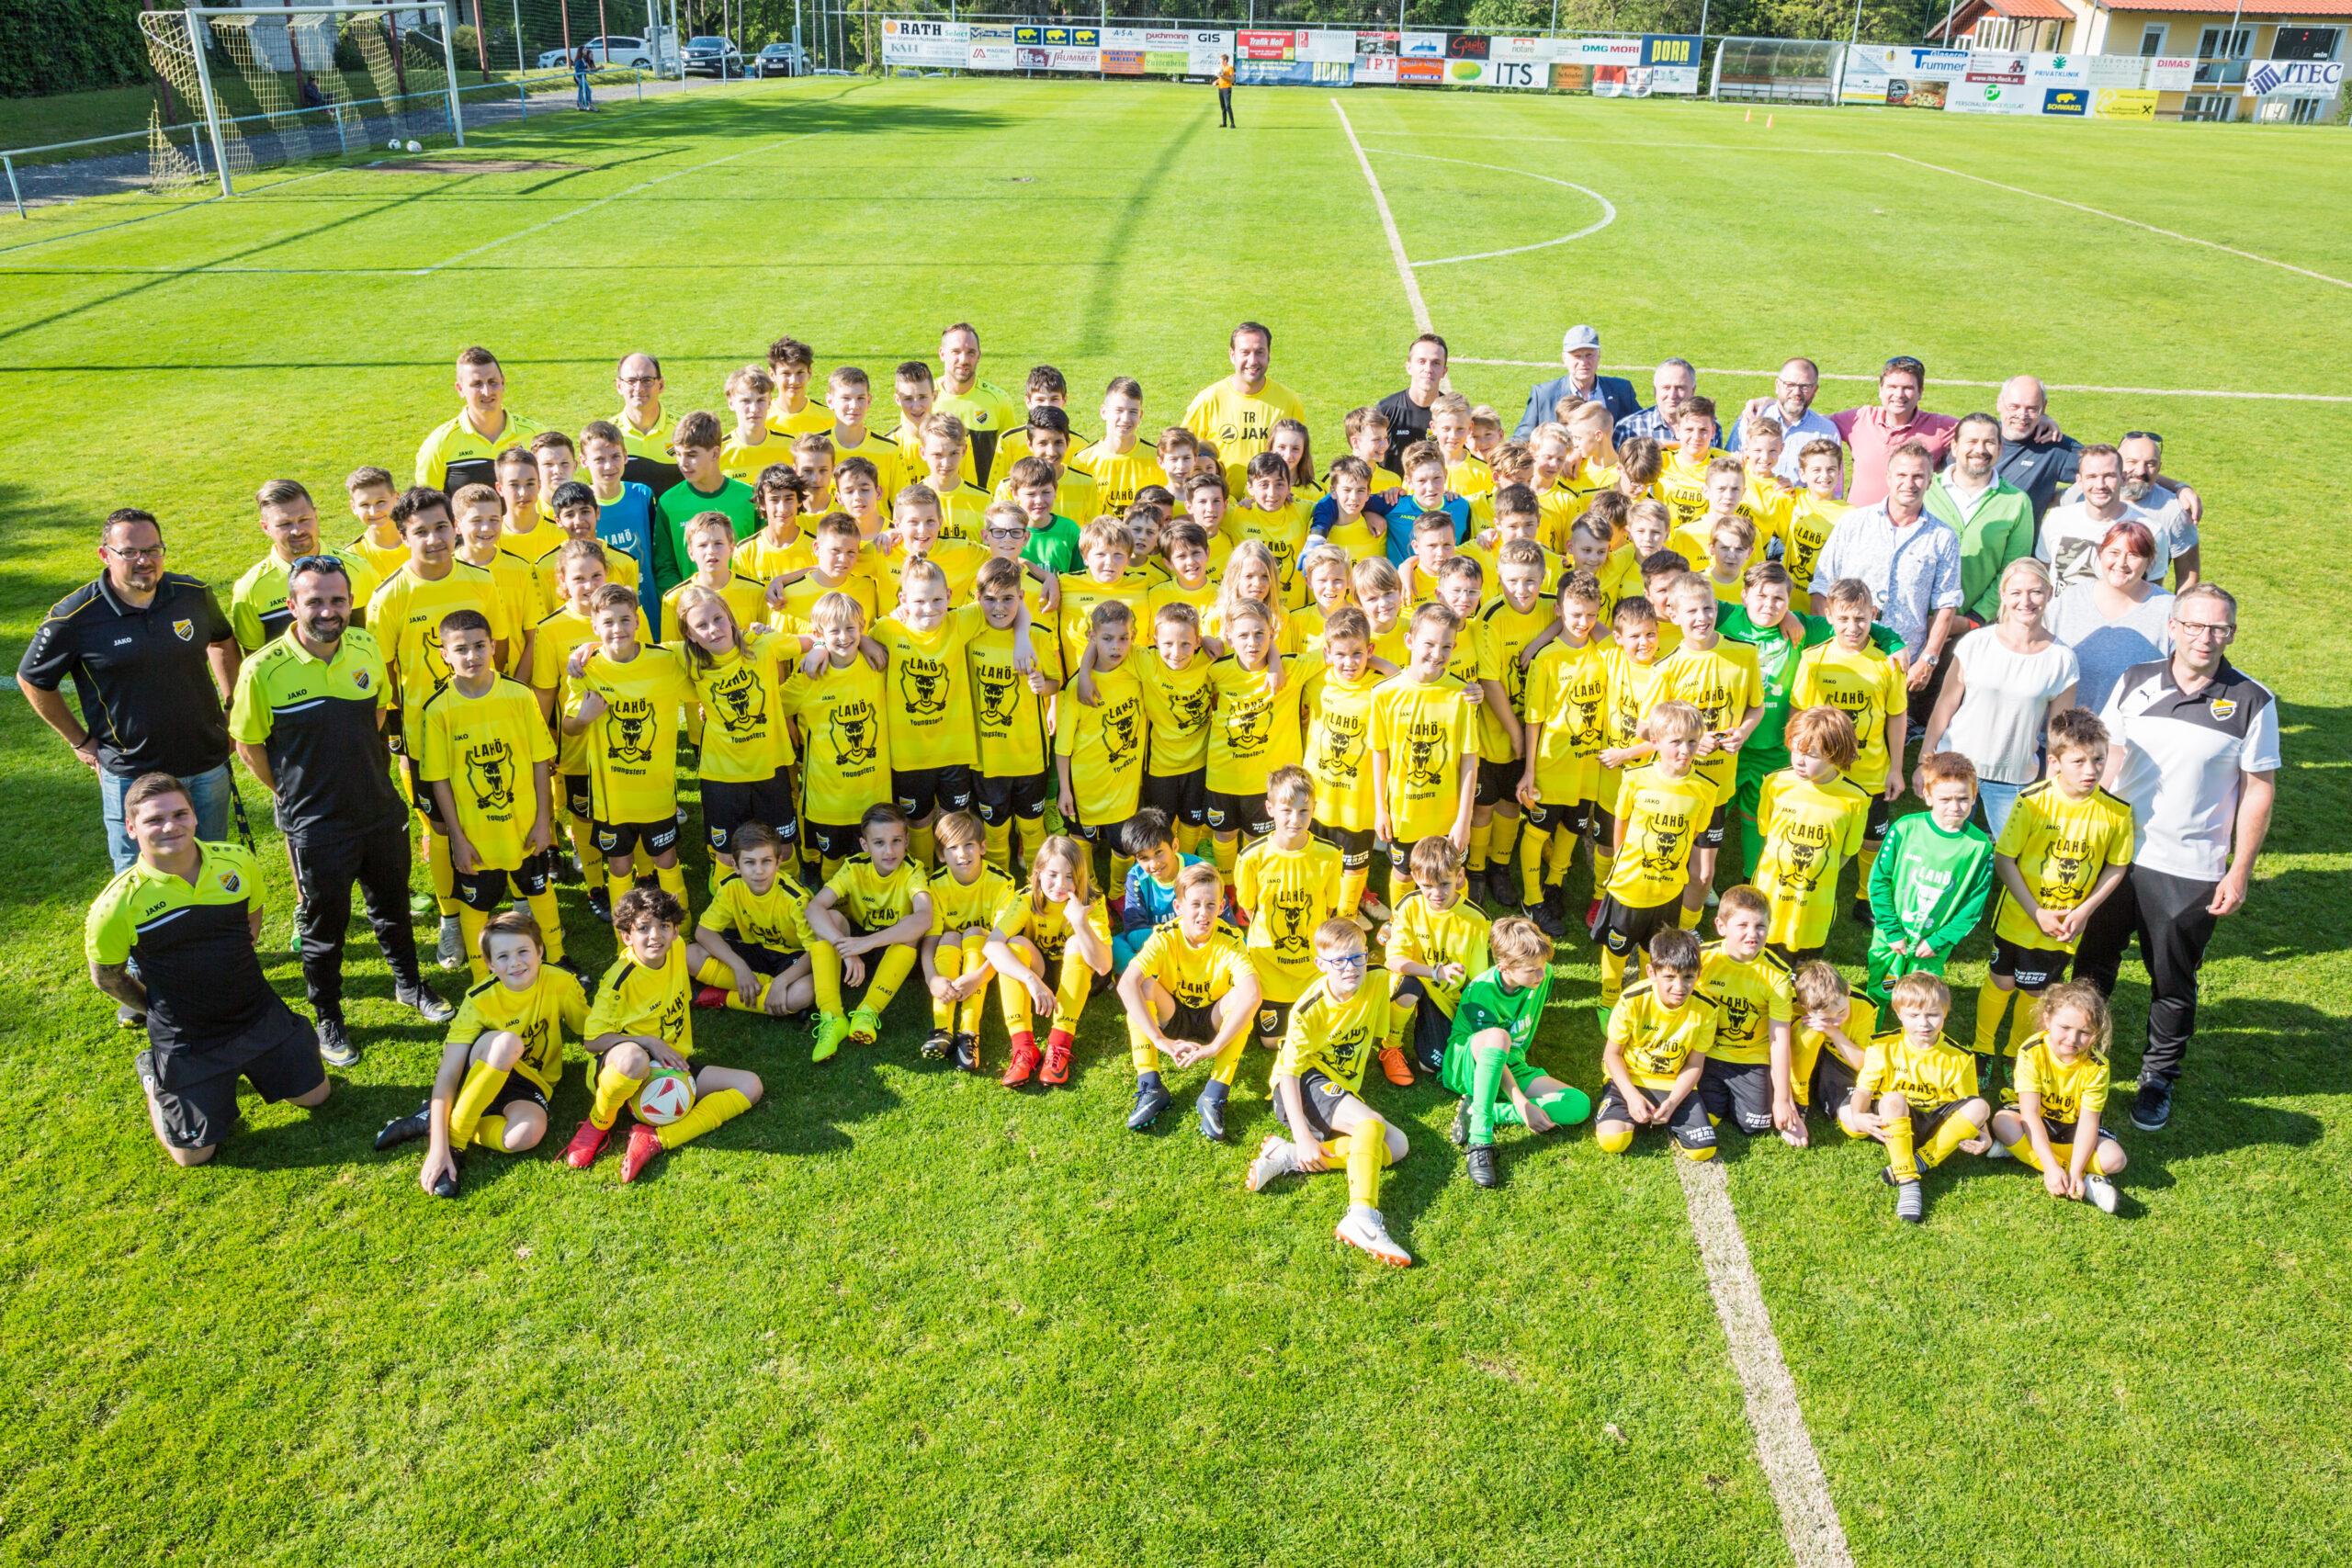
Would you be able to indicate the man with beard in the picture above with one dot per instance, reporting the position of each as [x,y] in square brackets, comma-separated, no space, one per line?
[2162,505]
[2072,531]
[257,606]
[1993,519]
[308,720]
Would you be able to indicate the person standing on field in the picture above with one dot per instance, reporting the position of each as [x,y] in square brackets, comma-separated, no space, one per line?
[1406,412]
[1237,413]
[1225,92]
[1873,435]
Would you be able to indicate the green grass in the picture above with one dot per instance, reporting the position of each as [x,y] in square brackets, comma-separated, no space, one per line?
[896,1315]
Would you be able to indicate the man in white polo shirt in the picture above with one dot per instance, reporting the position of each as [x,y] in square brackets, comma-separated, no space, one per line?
[2194,753]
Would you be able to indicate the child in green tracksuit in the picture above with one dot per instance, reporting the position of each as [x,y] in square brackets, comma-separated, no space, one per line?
[1928,888]
[1485,1056]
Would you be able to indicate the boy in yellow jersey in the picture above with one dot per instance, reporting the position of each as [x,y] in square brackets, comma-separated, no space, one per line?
[576,512]
[1047,439]
[836,557]
[525,530]
[965,893]
[927,701]
[1638,462]
[879,899]
[1285,884]
[1662,809]
[914,513]
[1340,1020]
[1466,474]
[1509,623]
[710,541]
[812,459]
[1853,675]
[1835,1020]
[1721,487]
[644,1019]
[1339,726]
[1324,569]
[1178,454]
[501,1060]
[791,362]
[750,946]
[1564,698]
[487,759]
[1181,574]
[1051,948]
[2056,1127]
[1121,465]
[2063,851]
[1659,1033]
[1424,762]
[1814,510]
[1809,820]
[845,741]
[1015,665]
[625,702]
[1589,552]
[1486,1052]
[849,396]
[1719,678]
[752,446]
[1190,992]
[1206,502]
[914,391]
[1354,527]
[556,457]
[947,464]
[858,491]
[481,529]
[783,543]
[1764,500]
[1434,942]
[1099,741]
[405,616]
[1562,490]
[379,542]
[1462,588]
[1748,1079]
[1631,666]
[1916,1093]
[1424,569]
[1517,516]
[1275,520]
[738,678]
[1106,548]
[580,575]
[1731,545]
[1253,727]
[1176,704]
[1379,591]
[1681,481]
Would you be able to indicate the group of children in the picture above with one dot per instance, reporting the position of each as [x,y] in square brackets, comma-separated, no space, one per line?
[1242,687]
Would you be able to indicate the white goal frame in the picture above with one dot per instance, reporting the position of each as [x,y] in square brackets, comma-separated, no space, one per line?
[199,39]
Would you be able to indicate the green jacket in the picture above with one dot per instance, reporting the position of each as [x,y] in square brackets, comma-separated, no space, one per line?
[2002,531]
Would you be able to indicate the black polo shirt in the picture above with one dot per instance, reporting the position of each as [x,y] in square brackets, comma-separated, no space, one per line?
[2041,469]
[146,686]
[193,944]
[1407,421]
[317,718]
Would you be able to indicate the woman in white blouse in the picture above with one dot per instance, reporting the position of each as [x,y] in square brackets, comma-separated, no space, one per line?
[2004,682]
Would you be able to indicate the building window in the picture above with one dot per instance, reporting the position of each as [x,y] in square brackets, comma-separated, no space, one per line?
[2211,106]
[2152,42]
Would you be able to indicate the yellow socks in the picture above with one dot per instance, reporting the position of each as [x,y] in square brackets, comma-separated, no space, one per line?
[1532,845]
[443,874]
[584,851]
[948,959]
[613,1089]
[674,882]
[1017,1021]
[1900,1158]
[1612,977]
[543,909]
[481,1086]
[2023,1150]
[975,1005]
[887,974]
[1688,918]
[1697,1155]
[714,972]
[1992,1000]
[711,1112]
[1957,1130]
[1867,859]
[1228,848]
[1367,1157]
[1190,839]
[1351,886]
[1144,1054]
[1505,842]
[1482,842]
[924,848]
[2022,1023]
[490,1132]
[999,853]
[1614,1139]
[1400,1018]
[825,974]
[1119,865]
[469,928]
[1604,866]
[1228,1064]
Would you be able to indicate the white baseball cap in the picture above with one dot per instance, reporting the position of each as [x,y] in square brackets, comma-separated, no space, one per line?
[1580,337]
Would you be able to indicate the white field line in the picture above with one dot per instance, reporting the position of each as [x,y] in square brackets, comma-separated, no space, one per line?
[1808,1512]
[1608,209]
[1950,381]
[1645,146]
[1389,222]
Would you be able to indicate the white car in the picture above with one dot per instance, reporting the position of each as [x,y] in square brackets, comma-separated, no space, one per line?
[633,53]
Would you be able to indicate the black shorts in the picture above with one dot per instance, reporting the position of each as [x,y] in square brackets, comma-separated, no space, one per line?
[1190,1024]
[656,839]
[1738,1092]
[1273,1019]
[1432,1026]
[579,798]
[1626,928]
[762,960]
[1545,817]
[1354,844]
[1711,837]
[1796,957]
[1881,814]
[727,806]
[2065,1133]
[516,1090]
[922,791]
[831,840]
[1924,1123]
[1689,1124]
[1320,1099]
[1498,781]
[195,1089]
[1021,795]
[1601,822]
[1110,835]
[2032,968]
[1833,1082]
[1239,813]
[420,794]
[486,891]
[1184,796]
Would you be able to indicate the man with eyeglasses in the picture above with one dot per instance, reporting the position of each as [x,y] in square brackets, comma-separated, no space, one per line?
[2194,751]
[1791,408]
[645,435]
[151,658]
[1580,352]
[308,720]
[1872,435]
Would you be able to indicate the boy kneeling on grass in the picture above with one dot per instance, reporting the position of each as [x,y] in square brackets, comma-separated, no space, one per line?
[503,1058]
[1335,1026]
[643,1017]
[1486,1056]
[2061,1093]
[1659,1034]
[1916,1093]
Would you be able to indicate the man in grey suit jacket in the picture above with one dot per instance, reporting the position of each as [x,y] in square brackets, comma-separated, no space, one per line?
[1580,352]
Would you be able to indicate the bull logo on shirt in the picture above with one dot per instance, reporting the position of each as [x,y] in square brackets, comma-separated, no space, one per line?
[1664,856]
[490,774]
[1584,725]
[1343,747]
[856,740]
[922,685]
[673,1017]
[996,699]
[1739,1018]
[1424,753]
[1797,864]
[2065,872]
[1249,730]
[631,730]
[1290,910]
[737,703]
[1119,736]
[1188,709]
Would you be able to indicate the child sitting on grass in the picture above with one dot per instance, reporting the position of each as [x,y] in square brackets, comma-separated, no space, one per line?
[1916,1093]
[1486,1056]
[1659,1034]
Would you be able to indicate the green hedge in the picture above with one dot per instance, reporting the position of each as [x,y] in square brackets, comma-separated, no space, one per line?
[69,46]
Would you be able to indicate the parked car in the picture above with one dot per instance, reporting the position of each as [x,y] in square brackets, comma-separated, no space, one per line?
[634,52]
[780,60]
[713,57]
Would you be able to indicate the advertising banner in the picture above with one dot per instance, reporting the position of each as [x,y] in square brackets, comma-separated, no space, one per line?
[2173,74]
[1369,44]
[1911,93]
[993,48]
[1274,73]
[1058,48]
[1261,45]
[1420,70]
[1519,62]
[1919,65]
[1122,61]
[1571,77]
[1990,98]
[1375,70]
[1331,47]
[937,46]
[2123,102]
[1208,46]
[1421,46]
[1465,73]
[2073,101]
[2295,78]
[2000,68]
[2046,70]
[2114,71]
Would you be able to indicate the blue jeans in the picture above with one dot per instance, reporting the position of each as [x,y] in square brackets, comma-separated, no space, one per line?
[582,79]
[208,791]
[1999,800]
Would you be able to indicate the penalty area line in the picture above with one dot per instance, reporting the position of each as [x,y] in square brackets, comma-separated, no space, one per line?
[1608,209]
[1952,381]
[1389,222]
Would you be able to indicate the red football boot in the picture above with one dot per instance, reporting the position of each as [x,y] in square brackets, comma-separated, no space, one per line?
[585,1146]
[644,1142]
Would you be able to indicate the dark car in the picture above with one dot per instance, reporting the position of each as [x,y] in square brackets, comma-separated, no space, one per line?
[712,57]
[779,59]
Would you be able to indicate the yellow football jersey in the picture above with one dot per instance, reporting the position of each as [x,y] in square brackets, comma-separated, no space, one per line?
[1336,1038]
[1104,743]
[744,460]
[1864,684]
[1860,1018]
[552,647]
[777,919]
[2067,1089]
[1508,632]
[1426,730]
[846,740]
[632,751]
[1929,1077]
[1683,485]
[1566,689]
[1240,424]
[1009,717]
[1253,728]
[1811,521]
[1195,974]
[968,906]
[1662,817]
[1722,683]
[746,597]
[1119,476]
[634,999]
[1049,927]
[484,748]
[405,614]
[1810,831]
[1752,994]
[1338,727]
[869,900]
[538,1015]
[1455,934]
[928,698]
[1177,705]
[1283,532]
[1286,894]
[746,737]
[2061,846]
[1657,1042]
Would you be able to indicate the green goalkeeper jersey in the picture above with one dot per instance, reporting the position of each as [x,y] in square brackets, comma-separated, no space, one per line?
[1765,750]
[1488,1003]
[1929,884]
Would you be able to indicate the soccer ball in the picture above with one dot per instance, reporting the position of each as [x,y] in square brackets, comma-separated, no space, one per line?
[663,1097]
[394,144]
[415,147]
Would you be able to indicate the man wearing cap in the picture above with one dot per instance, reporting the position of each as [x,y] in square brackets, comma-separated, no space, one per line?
[1791,408]
[1675,383]
[1580,352]
[1407,413]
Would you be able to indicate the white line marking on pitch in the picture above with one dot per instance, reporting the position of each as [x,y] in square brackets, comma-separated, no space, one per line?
[1808,1512]
[1949,381]
[1608,209]
[1387,222]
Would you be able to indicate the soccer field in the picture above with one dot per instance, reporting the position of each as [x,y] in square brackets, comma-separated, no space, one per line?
[899,1315]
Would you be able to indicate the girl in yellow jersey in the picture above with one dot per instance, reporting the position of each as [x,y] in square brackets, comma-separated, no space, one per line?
[1339,726]
[967,893]
[1250,577]
[1254,726]
[747,744]
[1050,947]
[2062,1085]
